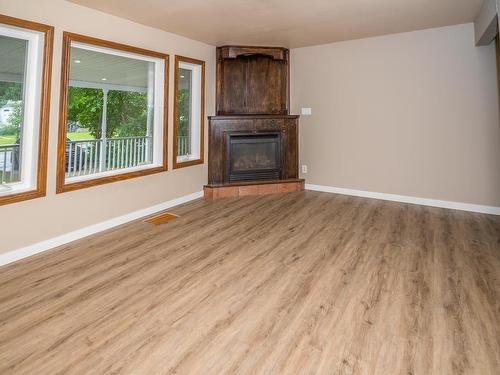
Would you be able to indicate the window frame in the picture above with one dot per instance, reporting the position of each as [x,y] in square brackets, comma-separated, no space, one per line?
[40,175]
[182,164]
[62,185]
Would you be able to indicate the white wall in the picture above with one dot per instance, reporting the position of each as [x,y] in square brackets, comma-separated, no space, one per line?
[412,114]
[25,223]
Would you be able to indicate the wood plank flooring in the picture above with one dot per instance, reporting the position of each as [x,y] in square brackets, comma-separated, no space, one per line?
[298,283]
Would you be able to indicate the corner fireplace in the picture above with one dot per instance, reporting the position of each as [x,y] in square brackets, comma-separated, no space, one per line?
[255,156]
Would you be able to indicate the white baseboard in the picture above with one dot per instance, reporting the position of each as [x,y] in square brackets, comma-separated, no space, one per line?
[39,247]
[407,199]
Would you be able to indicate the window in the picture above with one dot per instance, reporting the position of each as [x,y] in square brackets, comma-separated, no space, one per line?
[113,123]
[189,108]
[25,67]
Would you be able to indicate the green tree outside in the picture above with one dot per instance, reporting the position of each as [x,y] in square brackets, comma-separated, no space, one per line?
[184,103]
[126,114]
[12,92]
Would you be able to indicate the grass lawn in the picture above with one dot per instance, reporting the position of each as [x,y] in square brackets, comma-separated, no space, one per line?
[7,139]
[11,139]
[79,136]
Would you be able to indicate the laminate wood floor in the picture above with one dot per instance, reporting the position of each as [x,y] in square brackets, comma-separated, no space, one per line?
[298,283]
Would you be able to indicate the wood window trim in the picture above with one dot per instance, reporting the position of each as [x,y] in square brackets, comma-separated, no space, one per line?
[201,160]
[61,185]
[43,137]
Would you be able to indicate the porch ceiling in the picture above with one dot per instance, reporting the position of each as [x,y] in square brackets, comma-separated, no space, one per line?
[88,68]
[11,59]
[103,69]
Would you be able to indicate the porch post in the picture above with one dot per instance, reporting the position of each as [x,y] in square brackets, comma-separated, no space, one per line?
[151,98]
[104,128]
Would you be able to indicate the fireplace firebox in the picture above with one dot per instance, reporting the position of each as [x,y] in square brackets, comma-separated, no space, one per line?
[254,157]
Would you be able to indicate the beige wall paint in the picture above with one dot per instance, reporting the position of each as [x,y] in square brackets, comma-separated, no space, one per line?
[29,222]
[412,114]
[497,48]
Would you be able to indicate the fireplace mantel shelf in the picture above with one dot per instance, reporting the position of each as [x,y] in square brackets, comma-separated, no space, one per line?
[252,116]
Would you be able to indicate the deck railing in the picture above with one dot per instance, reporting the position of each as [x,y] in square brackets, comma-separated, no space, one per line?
[9,164]
[86,157]
[183,145]
[91,156]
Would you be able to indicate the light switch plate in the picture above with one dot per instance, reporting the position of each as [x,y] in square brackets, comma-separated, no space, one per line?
[306,111]
[304,169]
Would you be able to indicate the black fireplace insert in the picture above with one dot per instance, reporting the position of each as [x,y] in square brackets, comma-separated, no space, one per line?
[254,157]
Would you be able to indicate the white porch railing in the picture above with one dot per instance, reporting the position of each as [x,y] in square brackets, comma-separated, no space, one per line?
[9,163]
[92,156]
[183,145]
[86,156]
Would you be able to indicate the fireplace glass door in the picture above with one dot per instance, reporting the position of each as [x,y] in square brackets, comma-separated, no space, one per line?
[254,157]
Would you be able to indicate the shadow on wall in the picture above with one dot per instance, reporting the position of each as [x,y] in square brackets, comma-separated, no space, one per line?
[497,43]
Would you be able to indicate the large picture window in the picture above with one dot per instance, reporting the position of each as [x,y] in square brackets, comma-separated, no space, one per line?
[189,111]
[113,113]
[25,67]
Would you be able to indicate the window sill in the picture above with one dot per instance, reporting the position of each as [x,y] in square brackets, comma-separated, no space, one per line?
[183,162]
[105,178]
[19,195]
[114,172]
[15,188]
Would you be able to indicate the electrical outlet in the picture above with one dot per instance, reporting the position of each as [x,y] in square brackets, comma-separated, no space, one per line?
[306,111]
[304,169]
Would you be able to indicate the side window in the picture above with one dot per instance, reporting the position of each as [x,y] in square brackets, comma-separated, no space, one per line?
[189,111]
[25,63]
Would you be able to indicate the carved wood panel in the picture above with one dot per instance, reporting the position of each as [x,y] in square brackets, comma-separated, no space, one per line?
[252,80]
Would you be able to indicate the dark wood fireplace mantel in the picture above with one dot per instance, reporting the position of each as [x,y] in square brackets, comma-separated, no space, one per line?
[253,140]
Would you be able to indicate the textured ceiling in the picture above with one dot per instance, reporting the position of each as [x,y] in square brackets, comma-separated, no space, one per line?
[290,23]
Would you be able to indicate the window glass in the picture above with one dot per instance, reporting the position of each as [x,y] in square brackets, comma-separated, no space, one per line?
[189,105]
[184,97]
[21,53]
[12,64]
[112,123]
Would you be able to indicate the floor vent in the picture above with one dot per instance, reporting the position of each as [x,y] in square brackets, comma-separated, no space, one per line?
[161,218]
